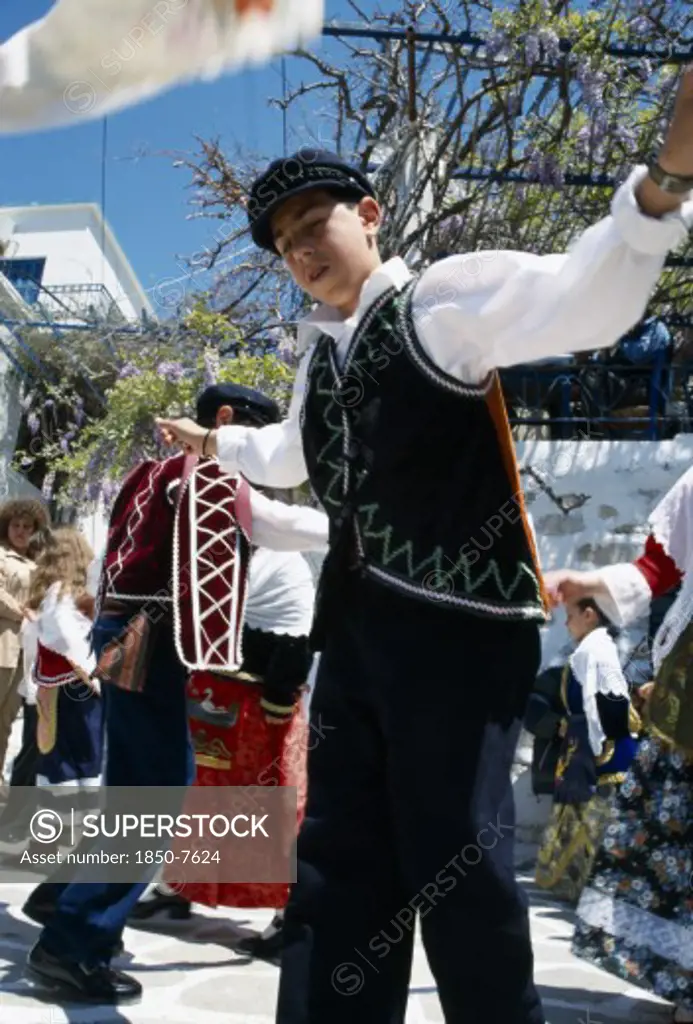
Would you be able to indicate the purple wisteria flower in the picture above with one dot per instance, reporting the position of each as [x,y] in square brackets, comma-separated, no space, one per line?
[27,400]
[109,489]
[551,44]
[211,367]
[498,44]
[592,83]
[645,70]
[47,487]
[33,423]
[171,371]
[129,370]
[640,25]
[64,445]
[532,49]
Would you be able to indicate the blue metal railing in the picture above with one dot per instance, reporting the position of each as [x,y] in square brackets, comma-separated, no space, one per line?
[599,398]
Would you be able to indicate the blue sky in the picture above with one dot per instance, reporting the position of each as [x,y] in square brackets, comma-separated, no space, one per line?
[146,198]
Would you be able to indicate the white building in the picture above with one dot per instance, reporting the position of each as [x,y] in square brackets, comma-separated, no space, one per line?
[57,263]
[71,253]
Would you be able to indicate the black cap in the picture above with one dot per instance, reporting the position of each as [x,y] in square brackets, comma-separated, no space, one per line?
[309,168]
[252,404]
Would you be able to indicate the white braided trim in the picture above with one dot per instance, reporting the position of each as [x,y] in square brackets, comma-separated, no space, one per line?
[637,927]
[42,780]
[222,652]
[50,682]
[505,610]
[420,358]
[346,433]
[134,522]
[365,323]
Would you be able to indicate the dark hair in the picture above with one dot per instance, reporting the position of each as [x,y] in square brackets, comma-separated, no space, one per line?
[32,509]
[589,604]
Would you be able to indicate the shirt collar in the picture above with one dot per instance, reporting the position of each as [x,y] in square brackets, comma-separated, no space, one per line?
[328,320]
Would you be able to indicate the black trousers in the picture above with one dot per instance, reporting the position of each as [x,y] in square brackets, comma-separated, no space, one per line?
[415,718]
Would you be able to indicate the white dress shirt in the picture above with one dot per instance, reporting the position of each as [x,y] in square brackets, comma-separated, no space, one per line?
[281,593]
[476,312]
[276,525]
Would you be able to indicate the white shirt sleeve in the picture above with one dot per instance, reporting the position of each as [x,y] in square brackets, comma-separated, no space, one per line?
[27,687]
[94,574]
[64,629]
[629,596]
[479,311]
[270,456]
[287,527]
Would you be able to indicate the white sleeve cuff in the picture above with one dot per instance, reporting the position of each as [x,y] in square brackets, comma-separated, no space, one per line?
[229,442]
[651,236]
[629,594]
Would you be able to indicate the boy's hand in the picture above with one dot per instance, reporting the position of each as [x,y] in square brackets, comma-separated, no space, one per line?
[188,435]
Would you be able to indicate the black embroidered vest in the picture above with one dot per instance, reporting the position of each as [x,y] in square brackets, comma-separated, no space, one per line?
[408,464]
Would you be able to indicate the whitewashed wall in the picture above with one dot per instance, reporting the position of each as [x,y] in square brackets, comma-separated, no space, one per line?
[590,501]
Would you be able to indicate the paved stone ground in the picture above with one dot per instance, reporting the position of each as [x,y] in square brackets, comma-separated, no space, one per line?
[191,975]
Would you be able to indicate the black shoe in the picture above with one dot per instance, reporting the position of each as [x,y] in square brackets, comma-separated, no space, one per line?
[41,913]
[94,984]
[262,949]
[161,904]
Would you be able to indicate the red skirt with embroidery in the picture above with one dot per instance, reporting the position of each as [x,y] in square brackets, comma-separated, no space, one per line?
[241,749]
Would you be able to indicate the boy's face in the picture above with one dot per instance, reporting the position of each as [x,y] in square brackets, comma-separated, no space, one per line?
[329,246]
[580,621]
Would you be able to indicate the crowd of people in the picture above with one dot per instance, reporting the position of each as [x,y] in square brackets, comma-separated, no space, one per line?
[427,623]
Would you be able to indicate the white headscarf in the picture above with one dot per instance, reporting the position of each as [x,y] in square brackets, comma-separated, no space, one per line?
[671,525]
[597,667]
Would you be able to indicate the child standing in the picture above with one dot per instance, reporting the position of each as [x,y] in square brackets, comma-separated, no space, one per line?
[599,743]
[69,732]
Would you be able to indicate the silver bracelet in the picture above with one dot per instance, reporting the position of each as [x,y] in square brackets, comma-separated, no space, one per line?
[675,184]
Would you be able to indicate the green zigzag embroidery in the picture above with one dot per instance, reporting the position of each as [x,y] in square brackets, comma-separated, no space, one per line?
[439,562]
[321,369]
[321,372]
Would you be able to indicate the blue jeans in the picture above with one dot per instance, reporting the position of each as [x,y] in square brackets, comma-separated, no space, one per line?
[147,744]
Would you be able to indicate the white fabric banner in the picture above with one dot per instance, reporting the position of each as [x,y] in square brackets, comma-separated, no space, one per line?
[88,58]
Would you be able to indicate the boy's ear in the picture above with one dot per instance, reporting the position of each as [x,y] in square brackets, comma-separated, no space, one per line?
[370,215]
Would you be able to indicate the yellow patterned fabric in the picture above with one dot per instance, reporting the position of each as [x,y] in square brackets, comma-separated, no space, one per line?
[670,707]
[571,840]
[47,707]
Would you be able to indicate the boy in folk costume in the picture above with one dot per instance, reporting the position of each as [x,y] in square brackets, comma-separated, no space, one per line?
[429,641]
[258,741]
[171,599]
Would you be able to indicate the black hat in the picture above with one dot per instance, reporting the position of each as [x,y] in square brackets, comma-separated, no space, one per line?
[309,168]
[253,404]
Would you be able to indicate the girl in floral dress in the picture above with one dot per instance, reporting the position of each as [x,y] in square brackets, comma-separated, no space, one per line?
[635,916]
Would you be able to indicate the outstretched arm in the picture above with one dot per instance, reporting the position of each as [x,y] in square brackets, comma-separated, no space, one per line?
[625,590]
[270,456]
[283,527]
[479,311]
